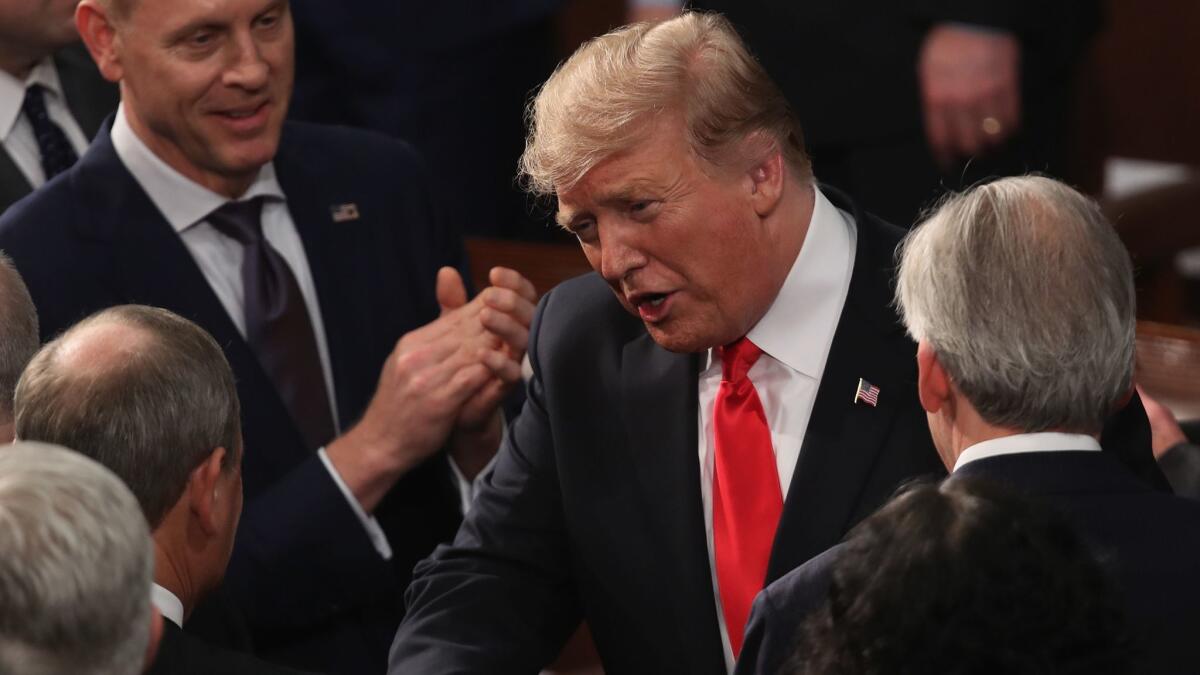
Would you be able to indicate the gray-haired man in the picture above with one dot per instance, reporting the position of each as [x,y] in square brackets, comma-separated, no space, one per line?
[1020,296]
[75,567]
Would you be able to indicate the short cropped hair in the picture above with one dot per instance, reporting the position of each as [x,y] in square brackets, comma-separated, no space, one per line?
[152,409]
[18,333]
[597,103]
[966,577]
[76,568]
[1025,292]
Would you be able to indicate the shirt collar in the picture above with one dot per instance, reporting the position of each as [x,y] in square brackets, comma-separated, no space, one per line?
[182,201]
[1045,441]
[168,604]
[12,92]
[799,325]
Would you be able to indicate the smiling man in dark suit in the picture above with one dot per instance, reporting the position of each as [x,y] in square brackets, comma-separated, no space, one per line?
[52,100]
[315,256]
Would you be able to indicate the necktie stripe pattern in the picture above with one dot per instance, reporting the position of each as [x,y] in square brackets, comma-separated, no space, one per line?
[278,327]
[53,145]
[747,499]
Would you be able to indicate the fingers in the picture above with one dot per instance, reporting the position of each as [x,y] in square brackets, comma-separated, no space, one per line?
[506,369]
[503,277]
[508,302]
[451,292]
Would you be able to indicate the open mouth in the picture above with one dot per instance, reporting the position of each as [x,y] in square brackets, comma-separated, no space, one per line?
[652,307]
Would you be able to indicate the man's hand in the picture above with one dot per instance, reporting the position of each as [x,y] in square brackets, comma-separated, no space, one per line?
[970,89]
[1165,431]
[431,378]
[506,312]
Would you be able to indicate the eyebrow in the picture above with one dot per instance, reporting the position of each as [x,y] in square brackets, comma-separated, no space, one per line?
[625,194]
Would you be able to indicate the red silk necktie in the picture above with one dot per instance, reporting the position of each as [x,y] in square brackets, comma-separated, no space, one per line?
[747,500]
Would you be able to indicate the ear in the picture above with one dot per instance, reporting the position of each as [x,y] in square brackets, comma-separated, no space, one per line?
[765,176]
[933,383]
[203,492]
[96,28]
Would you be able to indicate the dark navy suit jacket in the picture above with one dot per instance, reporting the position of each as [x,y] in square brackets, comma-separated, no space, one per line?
[1149,538]
[315,591]
[594,510]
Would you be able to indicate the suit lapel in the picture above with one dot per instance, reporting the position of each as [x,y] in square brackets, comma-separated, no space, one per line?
[13,184]
[309,200]
[844,438]
[153,267]
[658,402]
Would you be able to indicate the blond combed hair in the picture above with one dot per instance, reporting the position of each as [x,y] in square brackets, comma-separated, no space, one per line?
[598,102]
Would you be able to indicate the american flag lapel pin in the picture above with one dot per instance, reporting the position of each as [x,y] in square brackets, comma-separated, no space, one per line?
[867,393]
[343,213]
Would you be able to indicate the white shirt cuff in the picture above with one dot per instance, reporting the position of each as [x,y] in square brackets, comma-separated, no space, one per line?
[374,531]
[467,489]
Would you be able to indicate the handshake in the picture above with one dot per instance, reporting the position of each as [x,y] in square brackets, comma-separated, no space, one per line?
[441,386]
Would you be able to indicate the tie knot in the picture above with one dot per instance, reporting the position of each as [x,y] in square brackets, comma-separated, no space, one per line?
[35,103]
[737,358]
[239,220]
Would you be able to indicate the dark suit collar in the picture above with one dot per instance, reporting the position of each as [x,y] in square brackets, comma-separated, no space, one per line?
[1057,473]
[844,438]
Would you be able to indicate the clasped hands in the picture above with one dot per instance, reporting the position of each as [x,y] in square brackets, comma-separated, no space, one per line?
[442,386]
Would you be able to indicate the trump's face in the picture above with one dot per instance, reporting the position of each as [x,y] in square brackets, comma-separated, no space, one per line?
[679,241]
[205,83]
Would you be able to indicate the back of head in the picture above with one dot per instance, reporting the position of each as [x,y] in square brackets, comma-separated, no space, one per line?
[965,578]
[76,566]
[1025,292]
[599,101]
[18,333]
[143,391]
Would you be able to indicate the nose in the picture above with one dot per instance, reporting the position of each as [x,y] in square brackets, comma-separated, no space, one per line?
[620,252]
[247,68]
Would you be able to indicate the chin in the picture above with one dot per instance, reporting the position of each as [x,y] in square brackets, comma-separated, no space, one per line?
[680,342]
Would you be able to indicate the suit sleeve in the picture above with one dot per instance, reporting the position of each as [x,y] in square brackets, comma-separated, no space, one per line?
[502,597]
[760,648]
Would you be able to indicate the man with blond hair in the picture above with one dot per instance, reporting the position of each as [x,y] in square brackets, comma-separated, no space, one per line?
[718,404]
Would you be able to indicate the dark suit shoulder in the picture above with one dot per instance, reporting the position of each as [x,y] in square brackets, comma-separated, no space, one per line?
[180,653]
[337,149]
[582,316]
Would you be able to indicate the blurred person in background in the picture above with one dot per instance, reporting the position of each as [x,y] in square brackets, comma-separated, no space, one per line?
[76,564]
[18,339]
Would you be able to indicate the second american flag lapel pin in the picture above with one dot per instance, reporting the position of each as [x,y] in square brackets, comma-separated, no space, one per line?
[342,213]
[866,393]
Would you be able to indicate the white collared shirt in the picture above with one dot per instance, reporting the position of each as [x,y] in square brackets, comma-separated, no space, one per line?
[185,204]
[16,132]
[795,336]
[168,604]
[1044,441]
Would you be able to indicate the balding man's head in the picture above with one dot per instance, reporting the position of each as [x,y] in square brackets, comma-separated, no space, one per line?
[143,391]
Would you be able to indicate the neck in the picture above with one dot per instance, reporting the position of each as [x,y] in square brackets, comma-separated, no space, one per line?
[794,214]
[19,63]
[171,573]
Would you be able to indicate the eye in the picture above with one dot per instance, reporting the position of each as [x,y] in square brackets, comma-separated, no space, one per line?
[268,20]
[202,39]
[584,231]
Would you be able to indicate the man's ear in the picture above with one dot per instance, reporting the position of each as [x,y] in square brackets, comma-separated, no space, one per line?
[933,383]
[96,27]
[765,176]
[203,491]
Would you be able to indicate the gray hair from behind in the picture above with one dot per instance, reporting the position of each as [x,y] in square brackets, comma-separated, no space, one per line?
[1025,293]
[19,339]
[152,411]
[597,103]
[76,568]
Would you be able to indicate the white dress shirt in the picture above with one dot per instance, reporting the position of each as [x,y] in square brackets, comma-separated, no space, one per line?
[15,130]
[795,335]
[1044,441]
[168,604]
[186,204]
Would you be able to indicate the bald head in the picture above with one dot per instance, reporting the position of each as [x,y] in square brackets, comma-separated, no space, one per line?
[141,390]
